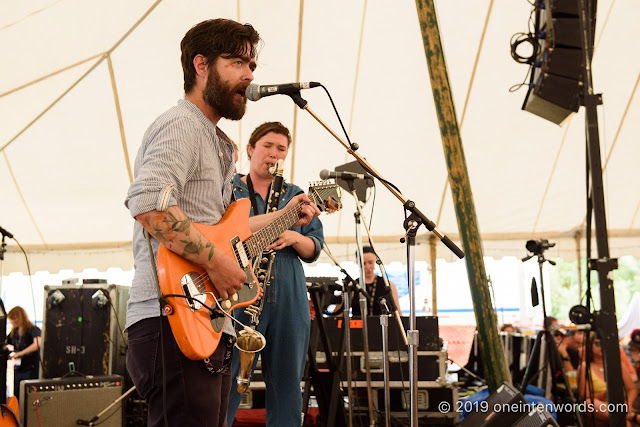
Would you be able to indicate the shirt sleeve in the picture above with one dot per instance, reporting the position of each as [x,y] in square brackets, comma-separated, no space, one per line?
[169,157]
[313,230]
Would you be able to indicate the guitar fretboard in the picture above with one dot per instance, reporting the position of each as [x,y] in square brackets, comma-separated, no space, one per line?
[267,234]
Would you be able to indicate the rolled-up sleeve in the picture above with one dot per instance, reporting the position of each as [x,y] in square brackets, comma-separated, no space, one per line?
[168,156]
[315,232]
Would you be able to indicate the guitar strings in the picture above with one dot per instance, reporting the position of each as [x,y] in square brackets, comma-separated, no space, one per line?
[200,280]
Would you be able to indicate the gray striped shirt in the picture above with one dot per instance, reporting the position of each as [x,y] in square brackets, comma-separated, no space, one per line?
[185,161]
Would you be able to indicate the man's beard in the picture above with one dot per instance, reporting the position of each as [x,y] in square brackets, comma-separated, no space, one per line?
[221,97]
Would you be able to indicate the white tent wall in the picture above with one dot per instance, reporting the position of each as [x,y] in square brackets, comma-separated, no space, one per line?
[64,177]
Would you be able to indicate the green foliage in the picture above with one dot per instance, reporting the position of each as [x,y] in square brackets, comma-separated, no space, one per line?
[564,286]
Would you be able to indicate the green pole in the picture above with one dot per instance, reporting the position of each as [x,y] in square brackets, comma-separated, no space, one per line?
[490,345]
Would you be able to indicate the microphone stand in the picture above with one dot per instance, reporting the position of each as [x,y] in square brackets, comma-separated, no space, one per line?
[346,306]
[417,218]
[359,215]
[363,300]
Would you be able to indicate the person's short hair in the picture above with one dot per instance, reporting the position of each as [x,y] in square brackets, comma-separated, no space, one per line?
[265,128]
[548,322]
[214,38]
[368,250]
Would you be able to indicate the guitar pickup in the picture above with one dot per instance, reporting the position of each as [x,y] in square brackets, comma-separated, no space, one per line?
[240,252]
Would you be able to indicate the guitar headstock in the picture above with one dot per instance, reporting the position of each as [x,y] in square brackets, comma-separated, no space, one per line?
[325,194]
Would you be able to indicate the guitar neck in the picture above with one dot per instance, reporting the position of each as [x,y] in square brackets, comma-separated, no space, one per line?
[267,234]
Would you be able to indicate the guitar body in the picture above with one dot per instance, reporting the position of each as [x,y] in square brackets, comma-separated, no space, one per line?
[196,330]
[10,413]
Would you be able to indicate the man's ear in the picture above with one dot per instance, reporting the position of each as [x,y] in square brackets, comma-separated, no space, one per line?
[200,64]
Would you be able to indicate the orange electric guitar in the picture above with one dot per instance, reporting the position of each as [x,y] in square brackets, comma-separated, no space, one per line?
[195,319]
[10,413]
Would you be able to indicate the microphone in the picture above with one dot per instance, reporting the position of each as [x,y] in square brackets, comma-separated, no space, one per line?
[6,233]
[254,92]
[325,174]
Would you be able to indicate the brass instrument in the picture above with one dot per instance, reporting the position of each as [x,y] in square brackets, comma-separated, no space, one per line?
[250,341]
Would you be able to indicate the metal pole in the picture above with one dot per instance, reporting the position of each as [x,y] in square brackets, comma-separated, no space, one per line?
[384,323]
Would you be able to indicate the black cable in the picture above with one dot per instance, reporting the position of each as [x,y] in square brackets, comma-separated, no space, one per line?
[517,39]
[354,148]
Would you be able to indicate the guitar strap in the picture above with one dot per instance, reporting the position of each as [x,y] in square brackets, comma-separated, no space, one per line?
[252,196]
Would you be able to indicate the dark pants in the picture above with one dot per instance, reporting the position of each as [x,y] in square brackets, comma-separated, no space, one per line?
[19,376]
[194,396]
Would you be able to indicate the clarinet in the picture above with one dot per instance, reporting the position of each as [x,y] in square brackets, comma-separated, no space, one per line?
[263,265]
[247,344]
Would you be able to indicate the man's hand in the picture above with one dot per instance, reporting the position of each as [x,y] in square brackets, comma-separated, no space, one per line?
[225,275]
[308,212]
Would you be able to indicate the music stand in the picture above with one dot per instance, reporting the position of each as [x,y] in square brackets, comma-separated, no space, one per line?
[360,185]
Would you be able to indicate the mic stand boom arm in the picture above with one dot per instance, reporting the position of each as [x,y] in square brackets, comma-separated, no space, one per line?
[411,225]
[408,204]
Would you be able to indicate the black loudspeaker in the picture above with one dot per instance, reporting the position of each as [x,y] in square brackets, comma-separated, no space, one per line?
[538,417]
[502,408]
[83,325]
[63,402]
[557,74]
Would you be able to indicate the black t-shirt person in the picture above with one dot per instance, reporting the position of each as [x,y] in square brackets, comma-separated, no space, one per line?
[376,290]
[29,362]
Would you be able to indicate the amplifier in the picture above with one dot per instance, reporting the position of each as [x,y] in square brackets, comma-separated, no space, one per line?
[428,340]
[83,325]
[63,402]
[431,366]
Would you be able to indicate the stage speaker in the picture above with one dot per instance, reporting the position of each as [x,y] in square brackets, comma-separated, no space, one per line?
[493,413]
[63,402]
[557,74]
[538,417]
[84,325]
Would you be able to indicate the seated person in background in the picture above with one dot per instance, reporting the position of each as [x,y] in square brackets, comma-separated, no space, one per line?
[571,347]
[507,327]
[632,350]
[595,392]
[549,323]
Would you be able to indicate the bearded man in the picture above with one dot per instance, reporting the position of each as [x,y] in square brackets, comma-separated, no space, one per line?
[183,175]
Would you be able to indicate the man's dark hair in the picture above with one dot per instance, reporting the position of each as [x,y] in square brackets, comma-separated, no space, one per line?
[214,38]
[265,128]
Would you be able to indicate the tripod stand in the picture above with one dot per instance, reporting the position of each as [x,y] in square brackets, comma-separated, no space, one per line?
[545,354]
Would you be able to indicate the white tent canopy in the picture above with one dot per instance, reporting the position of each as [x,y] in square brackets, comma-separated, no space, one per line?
[82,80]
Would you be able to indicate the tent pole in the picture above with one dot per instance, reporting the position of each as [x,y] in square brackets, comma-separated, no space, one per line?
[491,346]
[434,288]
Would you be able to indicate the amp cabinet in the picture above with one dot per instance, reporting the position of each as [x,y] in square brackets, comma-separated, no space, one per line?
[83,325]
[63,402]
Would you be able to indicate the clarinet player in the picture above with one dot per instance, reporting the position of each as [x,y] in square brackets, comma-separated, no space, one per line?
[284,320]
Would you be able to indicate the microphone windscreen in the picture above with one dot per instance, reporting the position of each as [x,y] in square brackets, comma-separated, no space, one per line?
[253,92]
[324,174]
